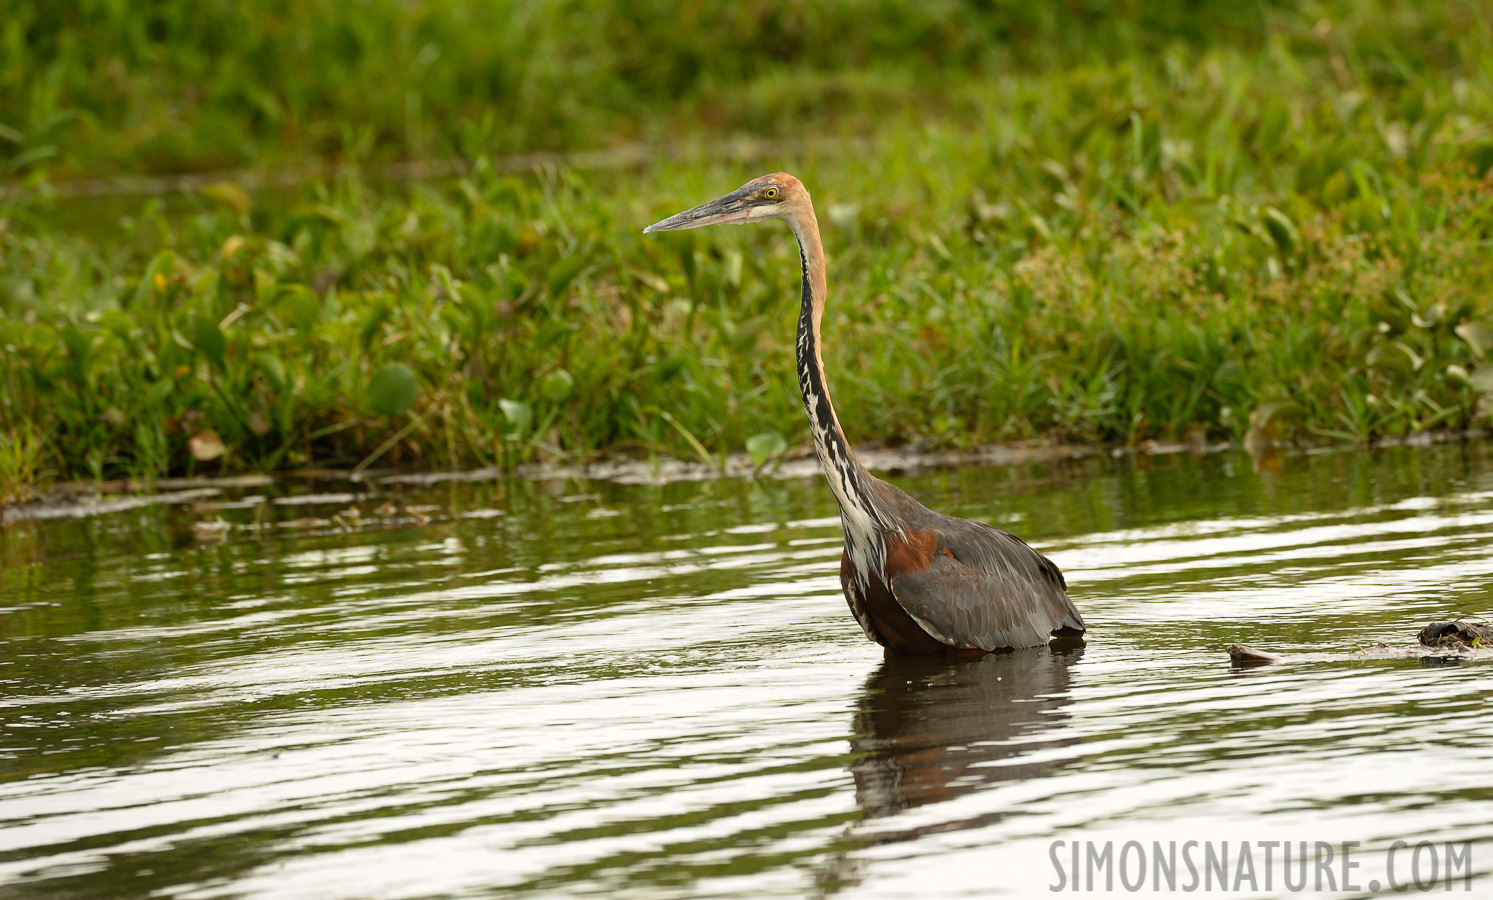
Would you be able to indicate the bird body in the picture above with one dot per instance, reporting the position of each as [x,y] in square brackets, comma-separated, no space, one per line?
[946,584]
[917,581]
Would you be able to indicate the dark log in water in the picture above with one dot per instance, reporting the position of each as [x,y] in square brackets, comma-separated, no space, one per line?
[1455,640]
[1456,635]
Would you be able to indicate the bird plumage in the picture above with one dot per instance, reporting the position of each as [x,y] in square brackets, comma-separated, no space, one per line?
[917,581]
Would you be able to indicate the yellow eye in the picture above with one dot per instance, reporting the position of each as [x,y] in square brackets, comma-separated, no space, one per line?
[770,193]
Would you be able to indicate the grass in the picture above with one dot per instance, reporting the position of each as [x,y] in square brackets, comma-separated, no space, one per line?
[1178,231]
[103,86]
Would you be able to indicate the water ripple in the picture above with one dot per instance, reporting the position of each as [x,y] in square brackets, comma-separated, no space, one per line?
[674,702]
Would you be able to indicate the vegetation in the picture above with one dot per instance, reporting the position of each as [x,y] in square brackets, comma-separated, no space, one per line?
[104,86]
[1116,225]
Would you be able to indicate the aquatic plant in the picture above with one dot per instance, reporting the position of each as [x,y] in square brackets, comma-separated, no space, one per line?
[1156,246]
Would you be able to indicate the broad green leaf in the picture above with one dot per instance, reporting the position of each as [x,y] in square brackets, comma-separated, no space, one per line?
[670,366]
[1431,317]
[1275,118]
[209,340]
[299,305]
[1478,336]
[744,334]
[157,393]
[1482,379]
[117,322]
[734,259]
[155,277]
[230,195]
[518,414]
[392,390]
[1228,373]
[273,369]
[1276,410]
[1281,230]
[264,285]
[1393,356]
[1399,296]
[843,216]
[557,385]
[205,281]
[765,446]
[79,346]
[563,272]
[448,285]
[377,316]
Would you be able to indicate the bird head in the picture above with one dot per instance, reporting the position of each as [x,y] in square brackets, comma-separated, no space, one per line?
[777,196]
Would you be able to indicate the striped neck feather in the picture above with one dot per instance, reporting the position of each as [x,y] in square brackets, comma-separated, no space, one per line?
[848,479]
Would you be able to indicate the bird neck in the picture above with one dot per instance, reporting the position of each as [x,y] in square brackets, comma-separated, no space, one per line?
[847,477]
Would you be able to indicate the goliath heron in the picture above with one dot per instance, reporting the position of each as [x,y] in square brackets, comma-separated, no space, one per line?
[918,582]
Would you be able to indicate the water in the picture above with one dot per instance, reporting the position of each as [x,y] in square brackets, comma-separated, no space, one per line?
[566,688]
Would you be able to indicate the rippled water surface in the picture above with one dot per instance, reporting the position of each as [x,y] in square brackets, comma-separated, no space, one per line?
[561,688]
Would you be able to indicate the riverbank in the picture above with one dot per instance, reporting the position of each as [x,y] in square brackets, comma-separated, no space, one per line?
[81,499]
[1287,236]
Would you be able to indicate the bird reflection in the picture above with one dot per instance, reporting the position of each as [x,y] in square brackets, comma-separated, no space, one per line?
[929,730]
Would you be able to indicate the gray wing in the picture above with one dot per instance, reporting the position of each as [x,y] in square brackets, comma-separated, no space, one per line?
[985,588]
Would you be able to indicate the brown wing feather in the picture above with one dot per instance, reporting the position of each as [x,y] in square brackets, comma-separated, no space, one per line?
[985,588]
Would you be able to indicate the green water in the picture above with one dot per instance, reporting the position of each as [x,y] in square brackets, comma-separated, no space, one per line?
[570,687]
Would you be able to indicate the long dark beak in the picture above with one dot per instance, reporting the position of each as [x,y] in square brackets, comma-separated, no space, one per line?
[725,210]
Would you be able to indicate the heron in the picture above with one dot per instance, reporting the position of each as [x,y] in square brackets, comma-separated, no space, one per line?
[918,582]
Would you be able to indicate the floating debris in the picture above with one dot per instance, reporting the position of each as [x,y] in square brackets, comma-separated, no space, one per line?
[1245,655]
[93,506]
[228,481]
[1436,643]
[210,530]
[316,499]
[1456,635]
[304,523]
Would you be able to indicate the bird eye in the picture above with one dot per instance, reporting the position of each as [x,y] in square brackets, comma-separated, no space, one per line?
[771,193]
